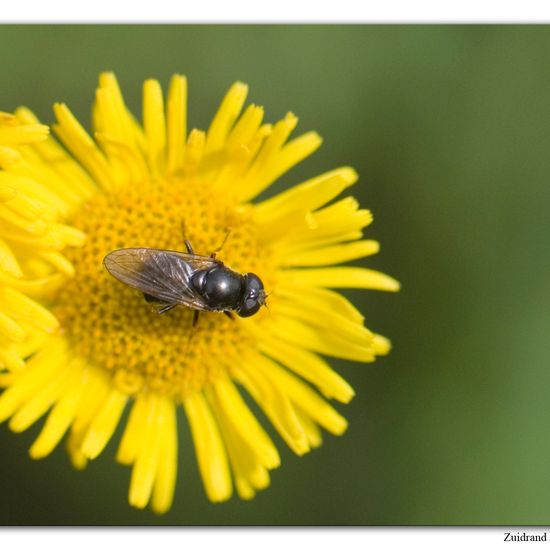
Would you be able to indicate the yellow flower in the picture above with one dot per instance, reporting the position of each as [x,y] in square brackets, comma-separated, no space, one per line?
[25,217]
[79,346]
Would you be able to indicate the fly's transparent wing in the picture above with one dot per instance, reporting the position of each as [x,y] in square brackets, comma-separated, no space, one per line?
[164,274]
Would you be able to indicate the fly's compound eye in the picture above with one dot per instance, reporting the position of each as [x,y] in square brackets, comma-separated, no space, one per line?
[253,297]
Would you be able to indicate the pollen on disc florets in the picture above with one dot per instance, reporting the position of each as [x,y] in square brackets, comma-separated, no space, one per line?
[110,325]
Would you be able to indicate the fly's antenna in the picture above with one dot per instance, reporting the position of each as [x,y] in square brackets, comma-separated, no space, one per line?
[219,249]
[266,296]
[183,227]
[192,330]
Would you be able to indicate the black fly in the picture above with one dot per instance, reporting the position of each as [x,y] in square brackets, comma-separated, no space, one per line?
[168,279]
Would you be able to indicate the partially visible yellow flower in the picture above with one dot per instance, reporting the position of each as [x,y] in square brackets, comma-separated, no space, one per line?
[79,346]
[27,216]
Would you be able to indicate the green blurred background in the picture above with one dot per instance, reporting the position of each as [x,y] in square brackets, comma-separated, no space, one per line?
[449,128]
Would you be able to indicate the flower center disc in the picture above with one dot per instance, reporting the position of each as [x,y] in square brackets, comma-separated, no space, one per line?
[112,326]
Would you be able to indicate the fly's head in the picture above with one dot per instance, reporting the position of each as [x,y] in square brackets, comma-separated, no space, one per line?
[253,295]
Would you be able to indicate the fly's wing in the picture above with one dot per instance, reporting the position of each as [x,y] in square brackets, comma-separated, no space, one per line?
[163,274]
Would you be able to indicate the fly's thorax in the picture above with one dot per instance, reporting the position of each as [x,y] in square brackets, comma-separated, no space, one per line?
[221,287]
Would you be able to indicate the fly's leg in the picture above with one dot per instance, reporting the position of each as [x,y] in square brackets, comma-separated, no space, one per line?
[187,243]
[158,305]
[190,251]
[230,315]
[190,248]
[166,308]
[192,331]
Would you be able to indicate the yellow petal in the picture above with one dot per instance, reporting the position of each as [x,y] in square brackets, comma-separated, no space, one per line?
[194,151]
[58,159]
[40,182]
[146,463]
[313,433]
[321,299]
[97,391]
[309,366]
[37,404]
[248,471]
[322,317]
[176,117]
[225,117]
[20,135]
[10,329]
[130,164]
[309,195]
[10,359]
[117,120]
[381,344]
[256,177]
[59,262]
[131,439]
[246,128]
[276,405]
[19,306]
[209,448]
[330,255]
[320,341]
[307,399]
[291,154]
[8,261]
[342,277]
[154,124]
[104,424]
[34,288]
[82,146]
[238,413]
[163,491]
[39,369]
[58,421]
